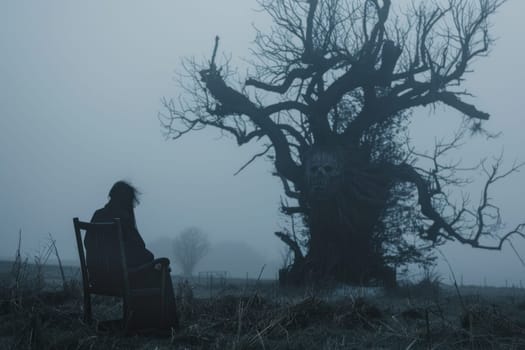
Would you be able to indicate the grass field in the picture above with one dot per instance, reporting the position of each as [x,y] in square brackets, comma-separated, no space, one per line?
[39,312]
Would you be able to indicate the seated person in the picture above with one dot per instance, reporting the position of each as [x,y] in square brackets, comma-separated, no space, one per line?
[103,260]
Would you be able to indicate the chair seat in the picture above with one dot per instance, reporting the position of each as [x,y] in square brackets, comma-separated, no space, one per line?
[145,292]
[164,262]
[100,290]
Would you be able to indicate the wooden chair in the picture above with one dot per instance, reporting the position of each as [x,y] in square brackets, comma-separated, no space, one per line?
[126,292]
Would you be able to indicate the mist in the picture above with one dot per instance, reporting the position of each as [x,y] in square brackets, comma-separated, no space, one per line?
[81,85]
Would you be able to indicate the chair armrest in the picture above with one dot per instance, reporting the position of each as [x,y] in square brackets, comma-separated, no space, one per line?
[164,262]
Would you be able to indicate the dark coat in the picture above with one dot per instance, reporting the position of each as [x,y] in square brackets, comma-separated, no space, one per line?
[104,263]
[102,249]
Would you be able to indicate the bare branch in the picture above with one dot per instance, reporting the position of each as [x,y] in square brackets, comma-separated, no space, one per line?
[294,246]
[449,229]
[257,155]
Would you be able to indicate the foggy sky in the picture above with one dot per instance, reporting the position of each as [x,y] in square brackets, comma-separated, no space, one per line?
[81,85]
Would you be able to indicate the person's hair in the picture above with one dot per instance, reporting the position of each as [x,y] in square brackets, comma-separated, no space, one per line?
[124,194]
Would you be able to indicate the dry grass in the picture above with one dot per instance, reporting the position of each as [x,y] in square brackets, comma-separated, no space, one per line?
[36,315]
[258,319]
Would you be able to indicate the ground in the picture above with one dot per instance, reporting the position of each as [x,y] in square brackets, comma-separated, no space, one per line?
[39,312]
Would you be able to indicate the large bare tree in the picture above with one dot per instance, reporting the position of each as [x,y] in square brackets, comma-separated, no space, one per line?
[331,88]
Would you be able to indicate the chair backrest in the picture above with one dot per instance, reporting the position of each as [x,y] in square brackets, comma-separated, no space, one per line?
[111,228]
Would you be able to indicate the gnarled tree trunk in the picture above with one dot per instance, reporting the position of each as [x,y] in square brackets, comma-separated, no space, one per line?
[345,198]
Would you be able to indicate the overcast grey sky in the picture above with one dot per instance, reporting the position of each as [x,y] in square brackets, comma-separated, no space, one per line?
[80,89]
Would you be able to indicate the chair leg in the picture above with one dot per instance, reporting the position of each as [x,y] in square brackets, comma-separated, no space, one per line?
[127,313]
[163,316]
[87,309]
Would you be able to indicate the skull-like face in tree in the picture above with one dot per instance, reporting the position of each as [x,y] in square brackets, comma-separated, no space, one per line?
[323,174]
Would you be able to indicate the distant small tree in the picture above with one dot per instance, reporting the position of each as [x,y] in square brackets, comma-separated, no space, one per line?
[189,247]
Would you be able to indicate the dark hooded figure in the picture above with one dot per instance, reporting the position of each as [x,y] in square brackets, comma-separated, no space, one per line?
[104,261]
